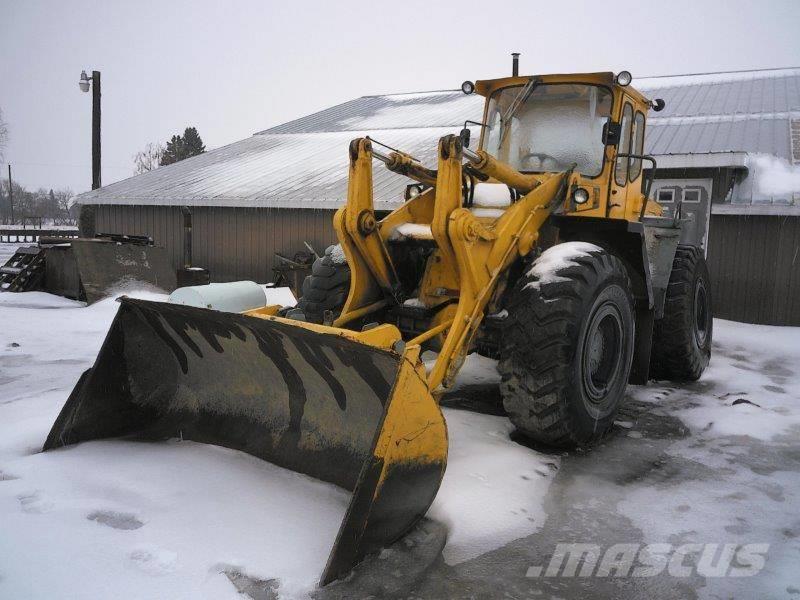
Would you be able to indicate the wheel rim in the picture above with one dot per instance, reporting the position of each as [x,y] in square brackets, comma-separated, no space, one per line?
[602,352]
[700,313]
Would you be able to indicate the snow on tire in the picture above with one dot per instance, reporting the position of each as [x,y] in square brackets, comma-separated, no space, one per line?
[568,345]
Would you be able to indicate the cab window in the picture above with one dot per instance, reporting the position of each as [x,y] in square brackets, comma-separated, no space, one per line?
[637,145]
[621,167]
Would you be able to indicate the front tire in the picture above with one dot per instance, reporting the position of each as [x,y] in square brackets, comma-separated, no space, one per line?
[682,338]
[568,345]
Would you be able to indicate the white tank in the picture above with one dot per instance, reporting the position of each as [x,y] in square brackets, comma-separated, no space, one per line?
[235,297]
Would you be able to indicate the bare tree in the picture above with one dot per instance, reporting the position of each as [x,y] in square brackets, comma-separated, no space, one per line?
[148,159]
[65,197]
[3,134]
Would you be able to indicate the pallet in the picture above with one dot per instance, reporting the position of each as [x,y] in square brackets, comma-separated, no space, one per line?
[24,271]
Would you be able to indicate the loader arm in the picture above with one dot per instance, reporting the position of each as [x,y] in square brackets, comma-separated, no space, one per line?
[471,254]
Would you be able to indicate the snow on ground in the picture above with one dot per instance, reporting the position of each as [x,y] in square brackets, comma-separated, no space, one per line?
[739,482]
[493,490]
[134,519]
[128,519]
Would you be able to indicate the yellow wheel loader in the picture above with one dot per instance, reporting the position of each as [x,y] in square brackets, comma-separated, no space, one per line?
[539,247]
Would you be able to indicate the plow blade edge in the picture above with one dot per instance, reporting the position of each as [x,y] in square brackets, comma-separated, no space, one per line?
[317,403]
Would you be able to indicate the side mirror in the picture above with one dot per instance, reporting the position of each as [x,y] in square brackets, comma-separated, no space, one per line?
[464,134]
[611,133]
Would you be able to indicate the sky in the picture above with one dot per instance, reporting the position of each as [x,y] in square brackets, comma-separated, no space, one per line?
[234,68]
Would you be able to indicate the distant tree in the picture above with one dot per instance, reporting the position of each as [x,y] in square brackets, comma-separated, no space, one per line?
[3,135]
[192,143]
[65,199]
[174,151]
[181,147]
[148,159]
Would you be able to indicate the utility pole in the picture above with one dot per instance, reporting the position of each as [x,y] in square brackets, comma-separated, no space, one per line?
[95,129]
[86,218]
[10,194]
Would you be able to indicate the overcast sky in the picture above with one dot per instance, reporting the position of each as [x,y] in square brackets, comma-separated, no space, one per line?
[233,68]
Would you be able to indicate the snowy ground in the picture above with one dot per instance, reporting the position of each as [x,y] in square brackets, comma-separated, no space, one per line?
[704,467]
[169,520]
[714,462]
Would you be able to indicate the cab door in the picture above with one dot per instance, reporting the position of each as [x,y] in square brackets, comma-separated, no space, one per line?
[626,186]
[619,180]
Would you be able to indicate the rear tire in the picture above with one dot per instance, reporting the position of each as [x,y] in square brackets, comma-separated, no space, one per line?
[325,289]
[568,345]
[682,338]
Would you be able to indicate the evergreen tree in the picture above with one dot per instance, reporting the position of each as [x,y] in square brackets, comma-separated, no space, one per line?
[180,147]
[174,151]
[192,143]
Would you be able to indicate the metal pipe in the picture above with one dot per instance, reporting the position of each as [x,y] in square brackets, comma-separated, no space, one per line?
[359,312]
[471,156]
[381,157]
[424,337]
[515,64]
[187,237]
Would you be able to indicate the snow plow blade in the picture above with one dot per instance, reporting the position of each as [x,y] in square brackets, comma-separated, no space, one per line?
[305,397]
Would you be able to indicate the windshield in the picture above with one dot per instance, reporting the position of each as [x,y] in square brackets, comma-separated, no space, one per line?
[557,124]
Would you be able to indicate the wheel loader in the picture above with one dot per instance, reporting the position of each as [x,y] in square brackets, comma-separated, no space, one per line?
[539,247]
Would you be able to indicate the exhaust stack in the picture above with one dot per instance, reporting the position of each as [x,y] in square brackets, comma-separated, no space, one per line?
[515,64]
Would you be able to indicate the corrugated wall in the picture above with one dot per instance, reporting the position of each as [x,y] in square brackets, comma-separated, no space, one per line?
[754,263]
[754,260]
[234,243]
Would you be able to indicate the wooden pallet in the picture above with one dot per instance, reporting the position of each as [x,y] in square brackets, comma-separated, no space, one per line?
[24,271]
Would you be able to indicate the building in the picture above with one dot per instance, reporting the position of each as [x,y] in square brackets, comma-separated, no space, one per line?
[726,146]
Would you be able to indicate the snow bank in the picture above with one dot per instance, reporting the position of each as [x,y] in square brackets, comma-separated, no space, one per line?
[493,490]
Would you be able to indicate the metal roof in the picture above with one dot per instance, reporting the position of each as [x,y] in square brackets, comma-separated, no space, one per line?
[303,163]
[285,170]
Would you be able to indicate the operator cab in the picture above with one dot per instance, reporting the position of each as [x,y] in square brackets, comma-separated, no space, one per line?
[595,121]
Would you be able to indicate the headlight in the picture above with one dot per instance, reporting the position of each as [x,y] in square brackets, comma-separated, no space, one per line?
[624,78]
[580,196]
[467,87]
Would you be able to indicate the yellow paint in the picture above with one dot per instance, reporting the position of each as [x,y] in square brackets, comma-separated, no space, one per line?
[468,265]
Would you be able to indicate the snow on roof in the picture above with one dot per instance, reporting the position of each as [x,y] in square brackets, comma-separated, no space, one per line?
[291,170]
[396,111]
[692,79]
[303,163]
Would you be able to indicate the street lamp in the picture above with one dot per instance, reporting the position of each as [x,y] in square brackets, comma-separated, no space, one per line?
[86,219]
[84,82]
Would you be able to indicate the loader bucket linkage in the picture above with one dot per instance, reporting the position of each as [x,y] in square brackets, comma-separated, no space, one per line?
[307,398]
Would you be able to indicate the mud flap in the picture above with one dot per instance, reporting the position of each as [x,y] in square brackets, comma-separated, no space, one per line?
[317,403]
